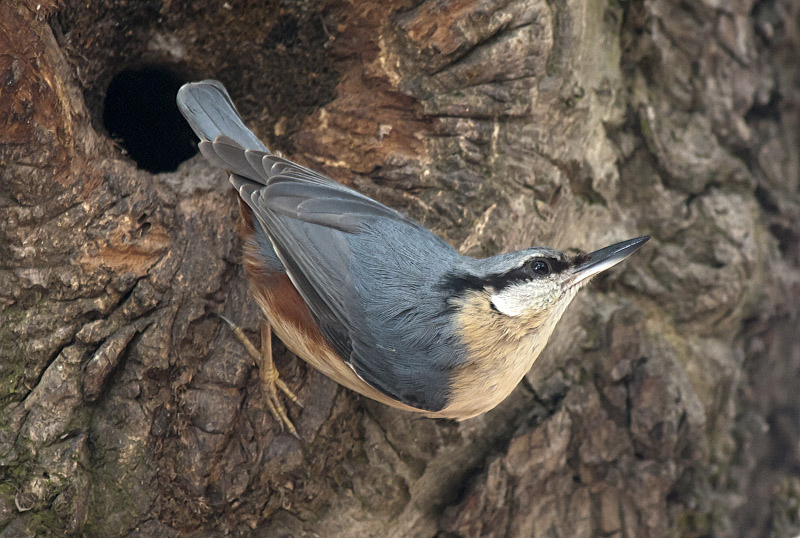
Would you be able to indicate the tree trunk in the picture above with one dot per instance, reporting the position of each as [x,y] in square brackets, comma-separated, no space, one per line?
[665,403]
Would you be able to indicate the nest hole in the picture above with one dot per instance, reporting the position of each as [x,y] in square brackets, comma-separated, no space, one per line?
[139,111]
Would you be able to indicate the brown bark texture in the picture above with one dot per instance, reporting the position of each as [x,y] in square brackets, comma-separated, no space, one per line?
[666,403]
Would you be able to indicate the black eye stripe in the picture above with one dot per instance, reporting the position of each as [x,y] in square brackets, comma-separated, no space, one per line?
[456,284]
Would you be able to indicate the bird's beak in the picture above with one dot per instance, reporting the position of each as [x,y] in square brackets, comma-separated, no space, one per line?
[602,259]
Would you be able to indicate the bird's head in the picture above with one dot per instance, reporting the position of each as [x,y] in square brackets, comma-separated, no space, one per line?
[540,280]
[533,287]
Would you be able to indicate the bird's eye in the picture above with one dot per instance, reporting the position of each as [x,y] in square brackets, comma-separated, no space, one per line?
[539,267]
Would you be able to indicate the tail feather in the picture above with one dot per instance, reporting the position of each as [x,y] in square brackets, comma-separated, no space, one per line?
[210,112]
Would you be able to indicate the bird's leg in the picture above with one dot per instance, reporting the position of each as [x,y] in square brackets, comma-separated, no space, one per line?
[269,374]
[272,381]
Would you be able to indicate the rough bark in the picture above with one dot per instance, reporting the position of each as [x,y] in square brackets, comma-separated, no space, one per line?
[664,405]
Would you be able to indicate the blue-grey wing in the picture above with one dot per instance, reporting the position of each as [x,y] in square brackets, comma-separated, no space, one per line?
[367,273]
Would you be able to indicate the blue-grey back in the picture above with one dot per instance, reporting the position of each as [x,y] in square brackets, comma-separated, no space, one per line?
[398,298]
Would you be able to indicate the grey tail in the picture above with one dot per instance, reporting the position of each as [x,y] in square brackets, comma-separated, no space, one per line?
[209,111]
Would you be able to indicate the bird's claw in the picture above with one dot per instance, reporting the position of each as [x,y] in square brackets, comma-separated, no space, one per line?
[269,375]
[272,384]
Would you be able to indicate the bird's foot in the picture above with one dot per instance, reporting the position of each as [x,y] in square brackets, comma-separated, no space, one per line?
[269,374]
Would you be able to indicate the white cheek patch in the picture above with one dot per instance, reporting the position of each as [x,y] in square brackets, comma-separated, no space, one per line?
[504,306]
[511,301]
[526,298]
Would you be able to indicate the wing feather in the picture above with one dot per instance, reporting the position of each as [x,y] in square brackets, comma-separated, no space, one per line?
[343,252]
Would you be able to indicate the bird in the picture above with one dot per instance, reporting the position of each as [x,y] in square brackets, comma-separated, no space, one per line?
[372,299]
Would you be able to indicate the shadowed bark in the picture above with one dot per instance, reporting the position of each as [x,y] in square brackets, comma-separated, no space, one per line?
[665,403]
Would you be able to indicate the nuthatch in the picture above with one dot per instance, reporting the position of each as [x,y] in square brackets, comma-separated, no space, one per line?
[372,299]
